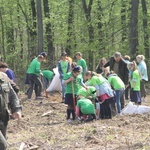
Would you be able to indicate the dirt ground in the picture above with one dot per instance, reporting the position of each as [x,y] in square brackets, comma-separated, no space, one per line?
[44,127]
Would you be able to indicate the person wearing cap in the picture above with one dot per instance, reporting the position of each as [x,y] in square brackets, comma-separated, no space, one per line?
[44,54]
[81,62]
[33,72]
[84,106]
[73,80]
[63,68]
[119,66]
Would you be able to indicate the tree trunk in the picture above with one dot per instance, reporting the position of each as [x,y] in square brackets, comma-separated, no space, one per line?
[123,20]
[70,35]
[40,26]
[145,25]
[3,36]
[87,10]
[134,28]
[101,46]
[20,32]
[49,34]
[33,31]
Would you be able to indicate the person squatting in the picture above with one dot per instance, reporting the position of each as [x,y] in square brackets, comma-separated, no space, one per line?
[92,96]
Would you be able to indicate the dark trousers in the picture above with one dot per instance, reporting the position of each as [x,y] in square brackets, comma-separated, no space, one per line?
[3,142]
[122,101]
[105,109]
[35,84]
[127,93]
[143,89]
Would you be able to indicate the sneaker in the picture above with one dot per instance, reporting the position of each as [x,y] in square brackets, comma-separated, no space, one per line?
[39,98]
[69,121]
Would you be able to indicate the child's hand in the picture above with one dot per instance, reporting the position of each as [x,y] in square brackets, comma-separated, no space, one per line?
[86,87]
[70,79]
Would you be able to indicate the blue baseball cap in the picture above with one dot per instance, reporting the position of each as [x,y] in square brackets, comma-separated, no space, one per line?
[44,54]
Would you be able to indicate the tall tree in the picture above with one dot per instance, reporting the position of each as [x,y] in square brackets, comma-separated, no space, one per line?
[20,31]
[40,26]
[145,28]
[70,35]
[3,34]
[49,33]
[87,10]
[33,30]
[100,25]
[123,20]
[134,28]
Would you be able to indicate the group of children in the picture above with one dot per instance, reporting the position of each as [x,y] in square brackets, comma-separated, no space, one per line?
[87,94]
[109,88]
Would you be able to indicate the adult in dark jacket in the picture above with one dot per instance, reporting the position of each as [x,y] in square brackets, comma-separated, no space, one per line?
[119,66]
[10,100]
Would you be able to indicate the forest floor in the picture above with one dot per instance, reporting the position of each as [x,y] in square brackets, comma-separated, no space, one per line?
[44,127]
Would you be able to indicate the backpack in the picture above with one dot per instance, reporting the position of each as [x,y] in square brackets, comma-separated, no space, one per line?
[4,91]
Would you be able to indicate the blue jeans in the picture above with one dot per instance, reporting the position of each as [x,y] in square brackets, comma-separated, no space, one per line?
[63,89]
[117,99]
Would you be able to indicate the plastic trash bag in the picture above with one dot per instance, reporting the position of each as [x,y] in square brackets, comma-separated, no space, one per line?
[134,109]
[56,83]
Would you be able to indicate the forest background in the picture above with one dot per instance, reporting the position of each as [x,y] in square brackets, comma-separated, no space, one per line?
[96,28]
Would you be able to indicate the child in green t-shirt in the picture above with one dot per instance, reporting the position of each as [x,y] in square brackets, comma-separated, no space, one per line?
[104,92]
[81,62]
[135,83]
[118,86]
[47,76]
[73,81]
[63,68]
[84,108]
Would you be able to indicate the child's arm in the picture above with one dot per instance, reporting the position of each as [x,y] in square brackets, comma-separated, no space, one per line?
[77,111]
[68,80]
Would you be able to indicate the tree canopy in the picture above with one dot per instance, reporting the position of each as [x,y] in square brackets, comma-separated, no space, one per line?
[95,28]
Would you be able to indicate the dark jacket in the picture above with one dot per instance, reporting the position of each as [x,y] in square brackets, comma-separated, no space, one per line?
[9,99]
[123,70]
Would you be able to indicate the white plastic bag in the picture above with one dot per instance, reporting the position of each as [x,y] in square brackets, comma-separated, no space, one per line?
[134,109]
[56,83]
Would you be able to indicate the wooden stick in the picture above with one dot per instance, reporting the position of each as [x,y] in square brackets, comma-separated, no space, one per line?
[74,107]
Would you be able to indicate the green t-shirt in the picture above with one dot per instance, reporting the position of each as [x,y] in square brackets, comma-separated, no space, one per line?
[64,66]
[86,106]
[34,67]
[76,83]
[135,80]
[81,62]
[116,82]
[85,93]
[48,74]
[96,80]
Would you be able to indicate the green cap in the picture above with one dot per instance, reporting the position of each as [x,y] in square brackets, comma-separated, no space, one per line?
[82,92]
[91,90]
